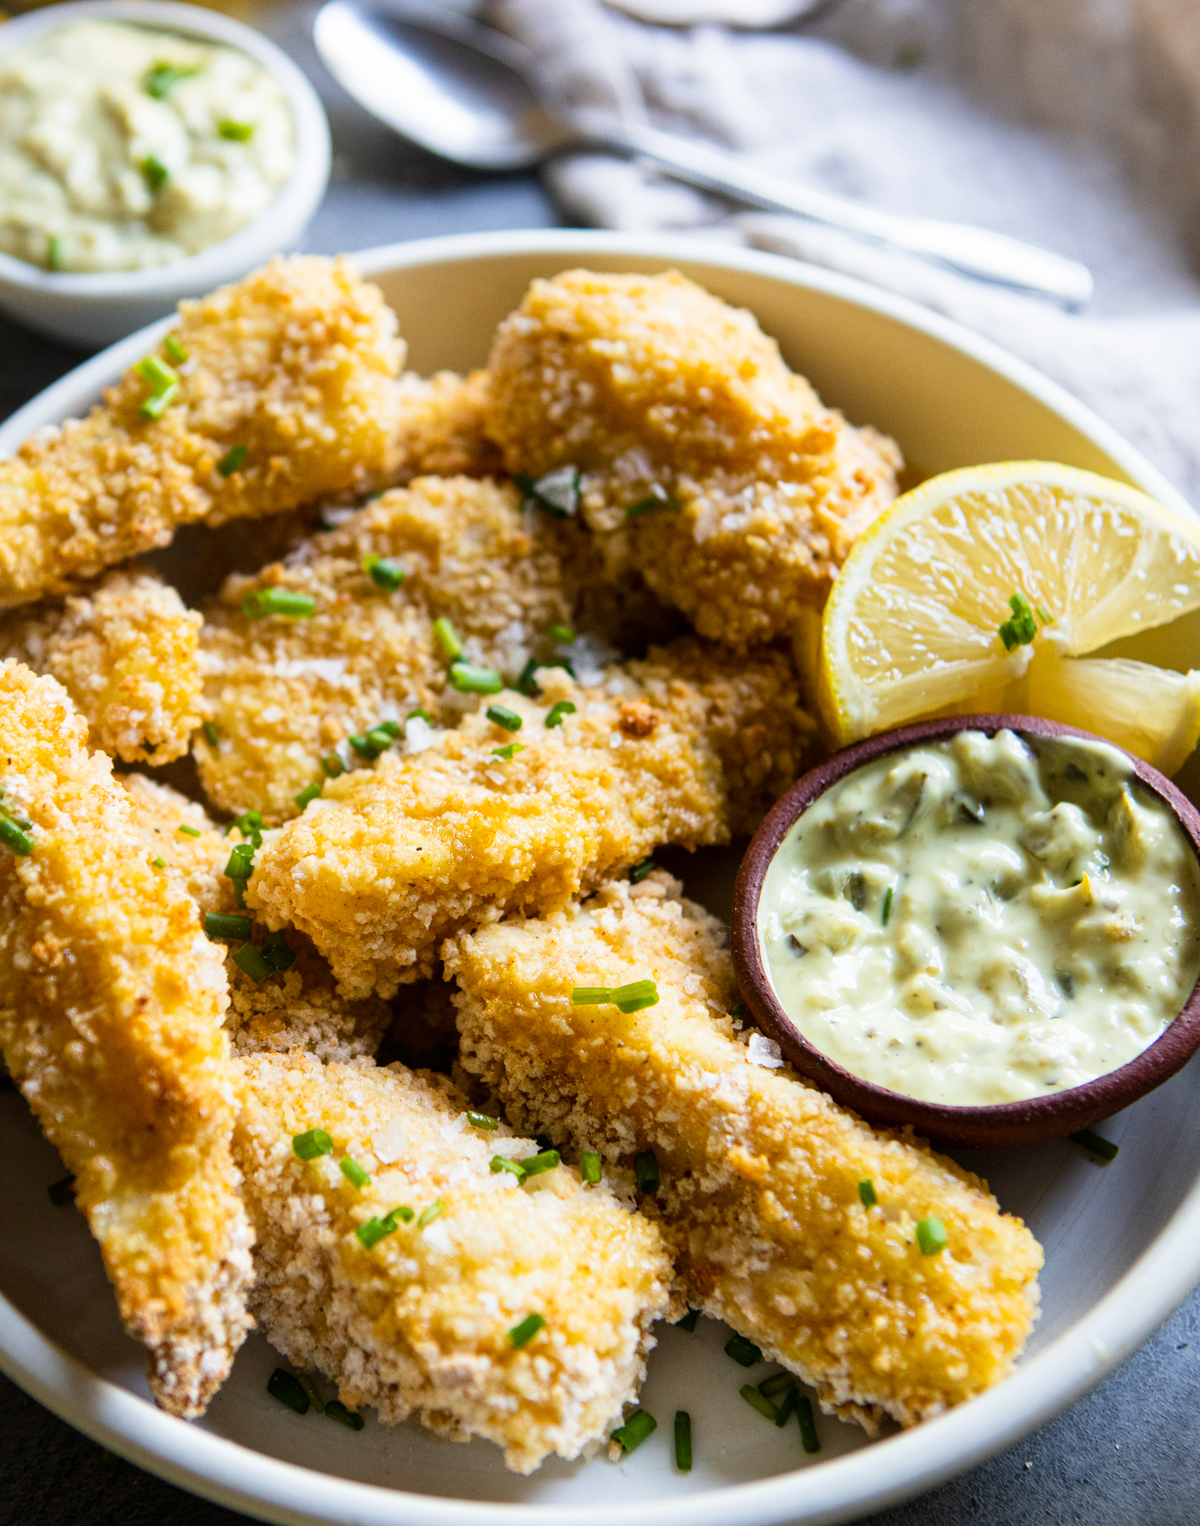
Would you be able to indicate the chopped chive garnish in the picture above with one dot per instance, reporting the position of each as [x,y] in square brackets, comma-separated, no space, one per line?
[309,792]
[435,1210]
[739,1009]
[778,1383]
[276,951]
[743,1351]
[309,1145]
[239,868]
[188,831]
[589,1166]
[635,1430]
[161,79]
[520,1335]
[392,729]
[645,1165]
[384,572]
[175,350]
[211,735]
[233,460]
[155,171]
[374,1230]
[563,635]
[756,1401]
[526,685]
[683,1441]
[534,1165]
[353,1172]
[557,492]
[158,863]
[482,1121]
[14,838]
[688,1322]
[421,715]
[448,638]
[513,1167]
[790,1397]
[1022,628]
[639,871]
[236,132]
[501,715]
[310,1388]
[283,1386]
[333,765]
[931,1236]
[279,601]
[336,1410]
[54,252]
[809,1439]
[219,924]
[405,1215]
[157,374]
[1043,614]
[557,711]
[155,406]
[370,744]
[250,824]
[250,959]
[62,1191]
[656,498]
[1103,1148]
[887,905]
[468,679]
[630,998]
[866,1193]
[509,752]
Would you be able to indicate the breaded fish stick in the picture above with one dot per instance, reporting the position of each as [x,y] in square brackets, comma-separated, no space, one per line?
[517,814]
[283,692]
[287,393]
[442,427]
[435,1315]
[708,466]
[759,1171]
[111,1001]
[127,652]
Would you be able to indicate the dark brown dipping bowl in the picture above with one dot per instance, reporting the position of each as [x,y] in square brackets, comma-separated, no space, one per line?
[1009,1123]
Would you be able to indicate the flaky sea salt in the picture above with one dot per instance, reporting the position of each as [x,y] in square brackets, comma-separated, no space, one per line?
[764,1051]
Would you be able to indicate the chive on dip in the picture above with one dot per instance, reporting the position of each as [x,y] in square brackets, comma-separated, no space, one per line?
[982,920]
[123,148]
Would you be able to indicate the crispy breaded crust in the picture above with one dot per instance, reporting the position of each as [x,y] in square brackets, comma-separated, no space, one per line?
[194,859]
[441,428]
[126,651]
[651,385]
[418,1324]
[392,860]
[111,1002]
[295,363]
[283,692]
[759,1170]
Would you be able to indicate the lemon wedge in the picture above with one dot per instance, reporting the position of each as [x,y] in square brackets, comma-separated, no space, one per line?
[983,589]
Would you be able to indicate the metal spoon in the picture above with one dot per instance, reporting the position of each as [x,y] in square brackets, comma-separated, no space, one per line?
[465,91]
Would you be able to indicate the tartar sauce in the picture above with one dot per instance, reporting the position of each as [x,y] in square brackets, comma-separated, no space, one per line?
[123,148]
[981,920]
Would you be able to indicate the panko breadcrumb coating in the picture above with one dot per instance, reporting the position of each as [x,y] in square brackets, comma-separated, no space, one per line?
[759,1171]
[418,1324]
[283,692]
[294,366]
[127,652]
[652,387]
[111,1002]
[392,860]
[441,428]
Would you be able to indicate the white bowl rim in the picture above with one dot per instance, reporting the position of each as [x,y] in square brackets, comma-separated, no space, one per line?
[305,183]
[838,1490]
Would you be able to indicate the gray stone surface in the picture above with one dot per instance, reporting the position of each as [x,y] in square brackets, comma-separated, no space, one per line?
[1125,1456]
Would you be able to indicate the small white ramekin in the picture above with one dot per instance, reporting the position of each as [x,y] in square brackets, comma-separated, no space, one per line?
[99,309]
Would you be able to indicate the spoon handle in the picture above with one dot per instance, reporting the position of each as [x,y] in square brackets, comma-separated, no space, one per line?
[975,252]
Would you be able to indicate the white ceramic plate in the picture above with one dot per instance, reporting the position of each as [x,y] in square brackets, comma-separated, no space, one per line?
[1122,1242]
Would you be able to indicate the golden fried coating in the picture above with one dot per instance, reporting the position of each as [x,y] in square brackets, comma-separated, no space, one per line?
[127,652]
[441,429]
[194,857]
[396,858]
[292,369]
[759,1170]
[419,1323]
[285,692]
[655,389]
[111,1001]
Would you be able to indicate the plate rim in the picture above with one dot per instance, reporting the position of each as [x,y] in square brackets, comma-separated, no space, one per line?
[903,1465]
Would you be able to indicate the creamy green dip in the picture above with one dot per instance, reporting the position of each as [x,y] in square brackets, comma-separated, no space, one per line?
[982,920]
[123,148]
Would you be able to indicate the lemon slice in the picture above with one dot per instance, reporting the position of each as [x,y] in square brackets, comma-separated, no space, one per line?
[912,627]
